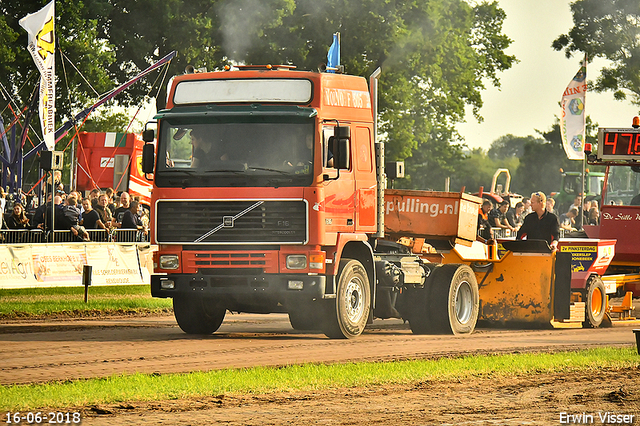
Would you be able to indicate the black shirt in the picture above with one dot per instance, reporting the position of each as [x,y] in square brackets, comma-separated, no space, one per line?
[130,220]
[545,228]
[512,218]
[90,219]
[496,214]
[119,213]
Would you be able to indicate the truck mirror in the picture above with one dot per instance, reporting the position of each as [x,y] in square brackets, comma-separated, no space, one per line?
[148,157]
[341,154]
[148,135]
[342,132]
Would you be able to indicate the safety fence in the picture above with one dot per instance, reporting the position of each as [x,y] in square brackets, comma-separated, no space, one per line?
[35,236]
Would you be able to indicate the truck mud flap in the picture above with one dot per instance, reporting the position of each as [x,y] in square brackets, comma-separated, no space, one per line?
[562,287]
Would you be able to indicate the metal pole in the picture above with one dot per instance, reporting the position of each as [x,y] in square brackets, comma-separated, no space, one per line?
[584,196]
[86,280]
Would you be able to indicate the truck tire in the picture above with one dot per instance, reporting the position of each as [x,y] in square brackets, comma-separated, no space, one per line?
[304,318]
[416,309]
[197,314]
[595,302]
[454,300]
[346,315]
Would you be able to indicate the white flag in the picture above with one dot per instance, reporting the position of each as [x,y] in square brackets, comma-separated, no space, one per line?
[40,27]
[573,119]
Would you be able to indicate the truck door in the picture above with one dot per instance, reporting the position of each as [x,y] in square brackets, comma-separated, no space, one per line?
[340,196]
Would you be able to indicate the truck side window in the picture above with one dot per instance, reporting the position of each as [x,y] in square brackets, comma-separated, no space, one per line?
[327,155]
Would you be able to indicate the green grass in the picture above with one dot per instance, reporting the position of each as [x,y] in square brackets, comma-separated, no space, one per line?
[307,377]
[69,301]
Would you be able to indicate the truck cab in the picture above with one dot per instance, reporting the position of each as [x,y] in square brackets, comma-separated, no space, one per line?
[264,179]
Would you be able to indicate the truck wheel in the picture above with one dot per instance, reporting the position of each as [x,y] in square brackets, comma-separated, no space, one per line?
[197,314]
[417,310]
[595,301]
[304,318]
[347,315]
[454,300]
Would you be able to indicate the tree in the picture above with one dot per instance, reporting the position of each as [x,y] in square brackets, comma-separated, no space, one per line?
[611,30]
[435,54]
[542,160]
[509,146]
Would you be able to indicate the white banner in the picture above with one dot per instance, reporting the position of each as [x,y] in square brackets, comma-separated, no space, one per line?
[573,118]
[114,265]
[16,267]
[60,265]
[40,27]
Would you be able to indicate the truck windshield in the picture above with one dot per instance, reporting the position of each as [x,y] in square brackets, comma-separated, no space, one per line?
[622,185]
[229,152]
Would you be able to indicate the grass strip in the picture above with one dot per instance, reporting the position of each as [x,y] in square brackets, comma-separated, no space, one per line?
[306,377]
[37,302]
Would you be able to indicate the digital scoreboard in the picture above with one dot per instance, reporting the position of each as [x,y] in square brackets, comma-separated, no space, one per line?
[619,144]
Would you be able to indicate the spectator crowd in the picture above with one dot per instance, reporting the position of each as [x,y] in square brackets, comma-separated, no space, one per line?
[99,210]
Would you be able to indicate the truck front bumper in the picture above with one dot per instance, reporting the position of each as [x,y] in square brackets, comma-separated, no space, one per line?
[265,290]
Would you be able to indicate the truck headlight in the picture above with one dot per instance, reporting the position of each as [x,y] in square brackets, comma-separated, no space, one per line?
[296,261]
[169,261]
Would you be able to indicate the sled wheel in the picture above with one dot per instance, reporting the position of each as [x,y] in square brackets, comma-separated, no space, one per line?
[454,300]
[595,302]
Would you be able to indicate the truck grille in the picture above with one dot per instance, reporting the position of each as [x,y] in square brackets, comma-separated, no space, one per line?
[231,222]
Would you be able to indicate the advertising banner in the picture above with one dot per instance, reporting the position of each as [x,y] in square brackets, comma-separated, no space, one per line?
[114,265]
[59,265]
[16,267]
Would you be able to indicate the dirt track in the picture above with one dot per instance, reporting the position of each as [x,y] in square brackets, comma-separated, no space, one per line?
[62,350]
[69,349]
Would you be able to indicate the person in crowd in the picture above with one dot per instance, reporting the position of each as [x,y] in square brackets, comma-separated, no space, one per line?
[586,206]
[125,200]
[17,219]
[484,227]
[51,211]
[568,220]
[106,216]
[527,206]
[635,201]
[110,204]
[71,218]
[90,217]
[498,216]
[131,218]
[540,224]
[3,202]
[39,214]
[577,202]
[551,206]
[93,197]
[514,215]
[594,216]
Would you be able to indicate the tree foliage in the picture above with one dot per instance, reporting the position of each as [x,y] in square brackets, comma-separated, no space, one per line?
[540,164]
[608,29]
[435,54]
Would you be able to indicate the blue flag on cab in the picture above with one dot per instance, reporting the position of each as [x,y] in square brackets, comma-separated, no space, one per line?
[333,57]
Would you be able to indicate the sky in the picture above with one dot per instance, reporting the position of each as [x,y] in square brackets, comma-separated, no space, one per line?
[530,91]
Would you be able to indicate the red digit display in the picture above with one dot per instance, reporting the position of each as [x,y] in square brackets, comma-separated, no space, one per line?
[619,144]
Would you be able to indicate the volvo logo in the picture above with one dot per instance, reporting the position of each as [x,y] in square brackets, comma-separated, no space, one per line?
[227,221]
